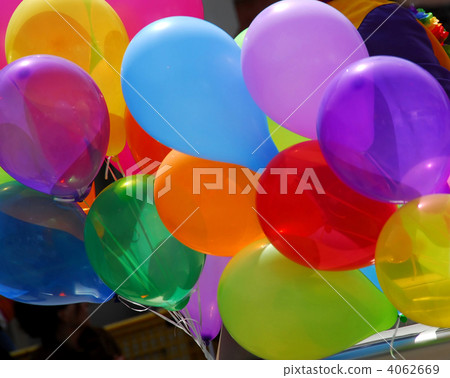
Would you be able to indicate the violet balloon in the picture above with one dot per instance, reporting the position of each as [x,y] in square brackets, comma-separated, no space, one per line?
[202,307]
[54,125]
[290,51]
[136,14]
[384,128]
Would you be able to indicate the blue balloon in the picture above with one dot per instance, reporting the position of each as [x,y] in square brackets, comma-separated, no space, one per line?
[183,83]
[371,274]
[42,255]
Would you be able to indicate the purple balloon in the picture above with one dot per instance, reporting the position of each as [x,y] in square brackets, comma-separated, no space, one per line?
[384,128]
[289,53]
[202,307]
[54,125]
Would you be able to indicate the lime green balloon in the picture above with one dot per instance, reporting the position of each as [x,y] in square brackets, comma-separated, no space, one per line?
[133,252]
[240,38]
[283,138]
[4,177]
[277,309]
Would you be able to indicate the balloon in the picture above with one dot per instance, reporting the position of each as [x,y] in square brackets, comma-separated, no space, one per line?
[143,147]
[413,260]
[223,195]
[88,33]
[240,38]
[202,308]
[4,177]
[8,8]
[132,251]
[371,275]
[124,160]
[384,128]
[312,217]
[182,82]
[283,138]
[136,14]
[277,309]
[54,125]
[43,260]
[287,61]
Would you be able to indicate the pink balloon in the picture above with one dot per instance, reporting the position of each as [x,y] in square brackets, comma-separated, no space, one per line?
[7,8]
[136,14]
[125,159]
[290,53]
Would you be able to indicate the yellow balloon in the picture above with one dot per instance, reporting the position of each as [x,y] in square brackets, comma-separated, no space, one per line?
[86,32]
[413,260]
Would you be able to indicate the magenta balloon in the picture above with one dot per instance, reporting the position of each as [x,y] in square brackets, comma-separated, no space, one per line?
[289,52]
[384,128]
[205,315]
[7,8]
[136,14]
[54,125]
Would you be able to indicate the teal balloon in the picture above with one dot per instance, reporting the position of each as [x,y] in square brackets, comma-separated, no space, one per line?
[42,256]
[183,83]
[133,252]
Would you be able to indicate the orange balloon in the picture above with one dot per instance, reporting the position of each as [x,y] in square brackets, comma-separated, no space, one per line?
[89,200]
[141,144]
[207,205]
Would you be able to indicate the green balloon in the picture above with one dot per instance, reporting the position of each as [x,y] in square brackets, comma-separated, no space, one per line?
[277,309]
[283,138]
[133,252]
[4,177]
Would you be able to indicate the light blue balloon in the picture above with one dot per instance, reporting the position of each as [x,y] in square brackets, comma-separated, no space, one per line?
[371,274]
[183,83]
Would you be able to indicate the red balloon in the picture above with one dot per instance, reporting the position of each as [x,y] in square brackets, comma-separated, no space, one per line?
[312,217]
[142,146]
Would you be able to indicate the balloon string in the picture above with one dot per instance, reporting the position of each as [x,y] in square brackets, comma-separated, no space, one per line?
[193,332]
[112,173]
[211,351]
[391,345]
[191,326]
[126,302]
[179,321]
[108,159]
[116,159]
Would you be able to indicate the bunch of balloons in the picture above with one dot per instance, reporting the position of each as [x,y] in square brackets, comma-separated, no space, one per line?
[257,175]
